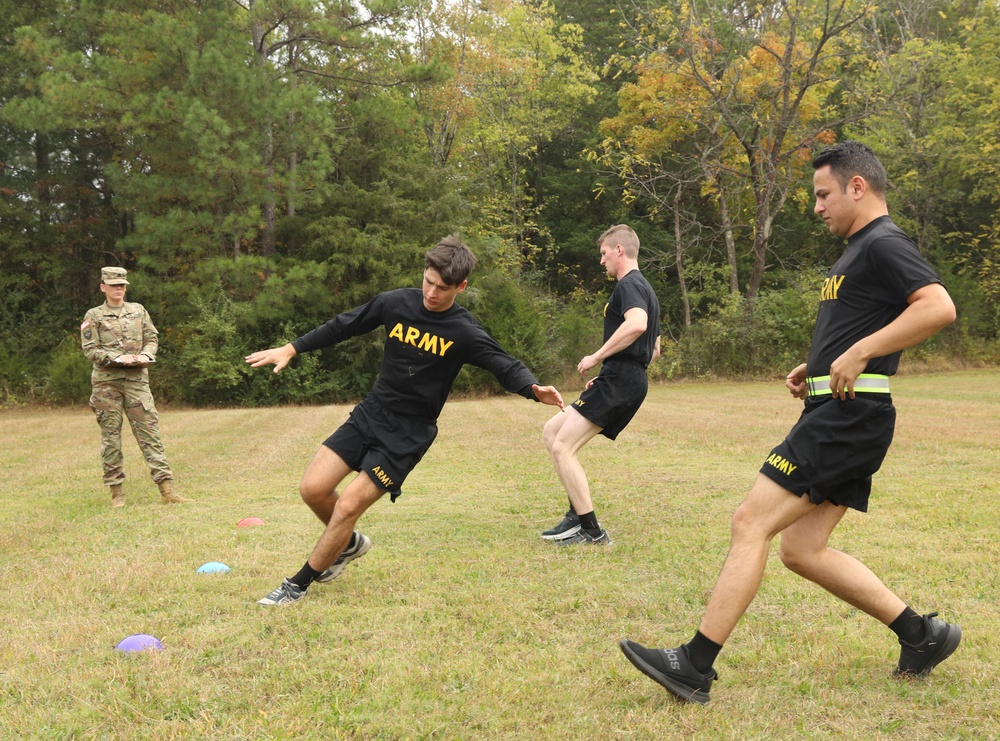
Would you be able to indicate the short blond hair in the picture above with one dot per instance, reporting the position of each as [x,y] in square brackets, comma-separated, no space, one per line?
[624,235]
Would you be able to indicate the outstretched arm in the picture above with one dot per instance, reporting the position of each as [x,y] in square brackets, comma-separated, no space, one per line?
[278,356]
[548,395]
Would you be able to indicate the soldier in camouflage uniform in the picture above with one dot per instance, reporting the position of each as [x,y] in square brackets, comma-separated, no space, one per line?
[120,340]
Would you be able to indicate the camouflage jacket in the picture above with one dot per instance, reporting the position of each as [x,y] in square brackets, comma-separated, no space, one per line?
[105,335]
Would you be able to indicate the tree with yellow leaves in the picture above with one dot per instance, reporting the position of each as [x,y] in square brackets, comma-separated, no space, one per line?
[728,102]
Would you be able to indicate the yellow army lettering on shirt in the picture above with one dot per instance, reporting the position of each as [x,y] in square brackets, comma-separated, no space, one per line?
[782,464]
[421,340]
[382,476]
[831,286]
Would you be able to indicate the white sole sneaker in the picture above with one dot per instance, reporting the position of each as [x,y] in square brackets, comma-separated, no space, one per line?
[362,547]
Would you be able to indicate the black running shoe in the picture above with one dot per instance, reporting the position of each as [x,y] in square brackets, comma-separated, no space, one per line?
[582,537]
[940,641]
[286,594]
[361,547]
[569,527]
[671,668]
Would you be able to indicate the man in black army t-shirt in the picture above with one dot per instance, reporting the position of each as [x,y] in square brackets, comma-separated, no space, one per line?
[429,339]
[608,403]
[880,298]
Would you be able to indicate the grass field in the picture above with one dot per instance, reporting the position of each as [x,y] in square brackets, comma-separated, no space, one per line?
[461,623]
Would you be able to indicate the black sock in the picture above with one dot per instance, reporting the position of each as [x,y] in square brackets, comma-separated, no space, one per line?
[702,651]
[352,542]
[909,626]
[589,523]
[306,576]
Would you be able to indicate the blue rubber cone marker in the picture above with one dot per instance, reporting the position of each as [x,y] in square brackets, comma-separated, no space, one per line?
[213,567]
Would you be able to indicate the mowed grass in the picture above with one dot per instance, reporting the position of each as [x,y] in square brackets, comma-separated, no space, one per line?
[461,623]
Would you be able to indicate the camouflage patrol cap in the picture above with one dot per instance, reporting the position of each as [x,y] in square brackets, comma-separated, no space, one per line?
[113,276]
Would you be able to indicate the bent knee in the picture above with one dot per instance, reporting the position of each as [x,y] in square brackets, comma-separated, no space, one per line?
[790,559]
[349,509]
[313,492]
[744,524]
[550,432]
[796,559]
[557,448]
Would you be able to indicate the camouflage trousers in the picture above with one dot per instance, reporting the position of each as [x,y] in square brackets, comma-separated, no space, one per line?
[113,400]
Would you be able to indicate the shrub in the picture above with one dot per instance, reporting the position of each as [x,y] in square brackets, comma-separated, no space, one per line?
[67,374]
[769,336]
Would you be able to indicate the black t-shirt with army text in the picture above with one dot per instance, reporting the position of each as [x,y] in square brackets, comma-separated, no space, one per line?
[633,292]
[424,351]
[865,290]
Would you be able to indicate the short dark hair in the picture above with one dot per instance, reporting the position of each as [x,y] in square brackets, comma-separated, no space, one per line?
[451,259]
[850,158]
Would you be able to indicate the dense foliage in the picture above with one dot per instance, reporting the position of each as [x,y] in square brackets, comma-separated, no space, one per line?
[260,165]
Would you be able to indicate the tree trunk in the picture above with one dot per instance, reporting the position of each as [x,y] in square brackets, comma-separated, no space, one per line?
[42,177]
[268,208]
[680,258]
[760,240]
[727,230]
[293,156]
[763,190]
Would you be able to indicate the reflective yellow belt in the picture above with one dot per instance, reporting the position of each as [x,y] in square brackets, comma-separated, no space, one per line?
[869,383]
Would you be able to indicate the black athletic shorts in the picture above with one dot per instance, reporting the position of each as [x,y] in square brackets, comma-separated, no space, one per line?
[834,448]
[614,397]
[384,445]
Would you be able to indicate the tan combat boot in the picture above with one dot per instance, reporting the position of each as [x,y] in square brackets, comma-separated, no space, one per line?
[167,495]
[117,496]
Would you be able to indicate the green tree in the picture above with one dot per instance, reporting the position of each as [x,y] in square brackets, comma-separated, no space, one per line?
[55,211]
[518,79]
[736,97]
[308,51]
[936,130]
[169,90]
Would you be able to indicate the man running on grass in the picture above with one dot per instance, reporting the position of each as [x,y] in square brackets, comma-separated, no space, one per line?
[880,298]
[429,339]
[608,403]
